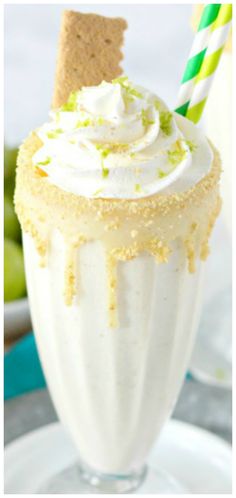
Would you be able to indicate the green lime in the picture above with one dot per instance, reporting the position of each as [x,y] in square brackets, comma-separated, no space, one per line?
[9,187]
[10,156]
[11,223]
[14,274]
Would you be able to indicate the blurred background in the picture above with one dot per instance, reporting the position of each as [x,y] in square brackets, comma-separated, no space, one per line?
[157,45]
[154,55]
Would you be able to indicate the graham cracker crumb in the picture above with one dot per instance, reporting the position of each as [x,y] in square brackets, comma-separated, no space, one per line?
[70,277]
[158,219]
[111,264]
[113,225]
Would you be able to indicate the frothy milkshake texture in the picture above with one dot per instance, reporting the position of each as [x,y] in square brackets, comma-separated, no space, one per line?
[118,140]
[117,198]
[114,389]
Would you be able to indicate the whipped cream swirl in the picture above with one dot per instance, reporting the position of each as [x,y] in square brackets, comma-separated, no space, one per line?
[118,140]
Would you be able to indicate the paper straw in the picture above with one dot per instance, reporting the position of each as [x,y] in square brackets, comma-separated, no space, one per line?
[210,63]
[196,56]
[193,99]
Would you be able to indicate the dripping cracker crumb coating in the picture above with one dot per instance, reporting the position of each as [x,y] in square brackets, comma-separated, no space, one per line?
[157,221]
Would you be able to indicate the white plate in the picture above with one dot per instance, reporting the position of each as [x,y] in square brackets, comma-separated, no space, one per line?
[196,458]
[16,317]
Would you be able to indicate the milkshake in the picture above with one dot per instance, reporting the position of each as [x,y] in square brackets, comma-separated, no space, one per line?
[117,197]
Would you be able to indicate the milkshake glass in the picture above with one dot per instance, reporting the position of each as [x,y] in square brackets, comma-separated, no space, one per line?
[218,347]
[117,199]
[212,356]
[219,128]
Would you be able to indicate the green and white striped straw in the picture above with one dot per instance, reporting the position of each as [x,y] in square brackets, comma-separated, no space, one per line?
[196,56]
[200,70]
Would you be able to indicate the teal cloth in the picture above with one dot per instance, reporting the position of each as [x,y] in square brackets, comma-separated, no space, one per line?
[22,368]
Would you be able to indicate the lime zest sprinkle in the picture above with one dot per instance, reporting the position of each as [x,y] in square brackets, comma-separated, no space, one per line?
[134,93]
[157,104]
[84,124]
[131,92]
[104,151]
[71,104]
[145,119]
[90,122]
[137,188]
[122,80]
[100,120]
[176,155]
[161,173]
[191,145]
[57,116]
[105,172]
[98,191]
[128,99]
[54,133]
[165,122]
[44,163]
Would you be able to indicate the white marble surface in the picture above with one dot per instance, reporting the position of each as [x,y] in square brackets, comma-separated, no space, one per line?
[157,44]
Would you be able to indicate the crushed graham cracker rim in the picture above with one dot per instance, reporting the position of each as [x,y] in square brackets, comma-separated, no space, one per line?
[125,228]
[195,19]
[89,52]
[38,186]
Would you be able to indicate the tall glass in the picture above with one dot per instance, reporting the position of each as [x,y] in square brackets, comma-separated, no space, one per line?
[212,356]
[219,128]
[115,294]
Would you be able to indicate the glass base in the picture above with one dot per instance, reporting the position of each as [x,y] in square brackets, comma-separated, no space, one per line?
[80,479]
